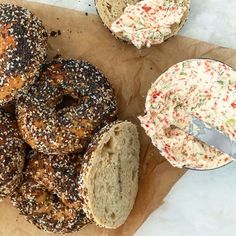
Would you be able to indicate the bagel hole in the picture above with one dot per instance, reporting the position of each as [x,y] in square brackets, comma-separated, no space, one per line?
[66,101]
[55,198]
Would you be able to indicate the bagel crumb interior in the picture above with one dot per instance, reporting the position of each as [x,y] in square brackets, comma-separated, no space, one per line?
[112,178]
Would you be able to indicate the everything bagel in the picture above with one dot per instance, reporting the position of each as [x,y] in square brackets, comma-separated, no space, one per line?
[52,129]
[23,43]
[48,197]
[12,155]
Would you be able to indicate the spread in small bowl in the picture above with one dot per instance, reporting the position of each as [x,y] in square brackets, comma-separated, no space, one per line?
[203,88]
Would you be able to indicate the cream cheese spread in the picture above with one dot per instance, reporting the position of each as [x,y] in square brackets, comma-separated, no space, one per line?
[149,21]
[203,88]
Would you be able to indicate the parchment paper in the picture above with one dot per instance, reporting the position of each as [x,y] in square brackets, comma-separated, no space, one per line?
[131,73]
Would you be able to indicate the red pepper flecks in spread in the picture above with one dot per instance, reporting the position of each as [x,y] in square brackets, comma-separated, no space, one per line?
[149,21]
[203,88]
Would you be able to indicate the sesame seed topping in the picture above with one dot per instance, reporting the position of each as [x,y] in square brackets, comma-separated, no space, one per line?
[60,131]
[12,155]
[23,43]
[49,197]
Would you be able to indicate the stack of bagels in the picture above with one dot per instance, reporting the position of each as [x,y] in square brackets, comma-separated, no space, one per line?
[66,161]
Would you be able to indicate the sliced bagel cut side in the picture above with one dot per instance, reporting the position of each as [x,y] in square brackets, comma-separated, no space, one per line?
[110,174]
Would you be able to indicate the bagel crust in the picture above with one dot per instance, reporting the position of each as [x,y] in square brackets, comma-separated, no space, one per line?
[23,43]
[60,131]
[12,155]
[49,197]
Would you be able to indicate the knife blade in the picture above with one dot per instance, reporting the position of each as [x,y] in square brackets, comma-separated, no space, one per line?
[211,136]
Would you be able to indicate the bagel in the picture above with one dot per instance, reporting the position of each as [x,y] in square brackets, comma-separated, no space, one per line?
[54,129]
[12,155]
[143,23]
[110,173]
[48,197]
[62,194]
[23,43]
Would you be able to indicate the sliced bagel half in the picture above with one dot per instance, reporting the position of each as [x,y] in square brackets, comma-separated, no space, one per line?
[109,182]
[111,10]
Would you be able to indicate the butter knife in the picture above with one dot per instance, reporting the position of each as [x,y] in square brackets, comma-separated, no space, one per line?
[211,136]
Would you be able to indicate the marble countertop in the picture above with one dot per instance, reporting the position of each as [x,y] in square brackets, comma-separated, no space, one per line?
[201,203]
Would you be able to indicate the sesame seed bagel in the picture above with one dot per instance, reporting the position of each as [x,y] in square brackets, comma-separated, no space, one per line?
[51,128]
[109,175]
[23,42]
[12,155]
[49,197]
[60,174]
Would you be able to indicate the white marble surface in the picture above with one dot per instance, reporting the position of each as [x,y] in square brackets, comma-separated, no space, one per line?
[201,203]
